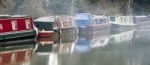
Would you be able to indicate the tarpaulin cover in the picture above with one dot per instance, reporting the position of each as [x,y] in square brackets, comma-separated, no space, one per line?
[83,19]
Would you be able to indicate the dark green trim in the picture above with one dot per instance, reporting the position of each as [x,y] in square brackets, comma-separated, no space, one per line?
[11,36]
[1,37]
[18,47]
[4,16]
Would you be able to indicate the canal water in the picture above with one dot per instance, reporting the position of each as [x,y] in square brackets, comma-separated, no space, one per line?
[97,48]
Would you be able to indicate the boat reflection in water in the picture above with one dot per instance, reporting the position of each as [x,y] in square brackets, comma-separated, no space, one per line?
[46,40]
[17,55]
[86,42]
[83,43]
[66,42]
[122,37]
[142,33]
[44,55]
[18,42]
[47,54]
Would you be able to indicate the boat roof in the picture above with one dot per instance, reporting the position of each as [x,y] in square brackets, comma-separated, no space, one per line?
[19,16]
[140,16]
[45,19]
[99,16]
[82,16]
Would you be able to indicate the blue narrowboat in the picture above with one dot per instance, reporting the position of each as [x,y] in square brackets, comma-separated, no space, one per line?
[88,23]
[83,20]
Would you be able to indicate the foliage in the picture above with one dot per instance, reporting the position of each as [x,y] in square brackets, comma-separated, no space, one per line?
[93,1]
[37,8]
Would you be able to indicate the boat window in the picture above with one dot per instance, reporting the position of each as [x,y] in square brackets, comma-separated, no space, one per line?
[105,20]
[112,18]
[98,21]
[125,20]
[1,26]
[58,23]
[14,25]
[28,25]
[102,41]
[66,23]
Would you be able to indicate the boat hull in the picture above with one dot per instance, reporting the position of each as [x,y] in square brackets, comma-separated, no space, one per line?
[122,27]
[94,29]
[45,34]
[17,35]
[143,25]
[46,37]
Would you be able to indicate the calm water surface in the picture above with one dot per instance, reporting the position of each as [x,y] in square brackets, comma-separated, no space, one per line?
[104,48]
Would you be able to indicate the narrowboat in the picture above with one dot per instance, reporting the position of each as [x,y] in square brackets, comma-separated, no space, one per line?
[95,23]
[100,23]
[49,27]
[46,27]
[65,22]
[16,27]
[16,55]
[121,22]
[142,22]
[83,20]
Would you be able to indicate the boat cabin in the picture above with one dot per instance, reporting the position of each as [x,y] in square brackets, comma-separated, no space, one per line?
[100,20]
[16,26]
[83,20]
[45,23]
[140,19]
[63,22]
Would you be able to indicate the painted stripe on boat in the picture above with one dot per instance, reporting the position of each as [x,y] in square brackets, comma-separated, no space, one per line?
[15,32]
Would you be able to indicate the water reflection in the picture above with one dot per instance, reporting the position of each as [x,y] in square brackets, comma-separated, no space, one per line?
[44,55]
[17,55]
[120,48]
[122,37]
[86,42]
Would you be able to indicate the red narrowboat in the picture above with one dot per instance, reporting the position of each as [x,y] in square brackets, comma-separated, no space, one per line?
[16,26]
